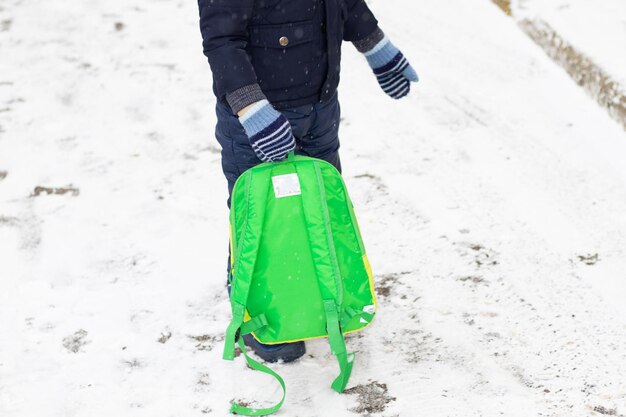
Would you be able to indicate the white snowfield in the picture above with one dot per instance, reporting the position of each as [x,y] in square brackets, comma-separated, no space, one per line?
[492,202]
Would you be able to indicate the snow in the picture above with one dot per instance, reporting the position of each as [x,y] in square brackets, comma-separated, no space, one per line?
[595,28]
[483,198]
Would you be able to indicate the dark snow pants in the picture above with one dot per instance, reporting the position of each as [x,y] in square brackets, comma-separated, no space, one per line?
[315,127]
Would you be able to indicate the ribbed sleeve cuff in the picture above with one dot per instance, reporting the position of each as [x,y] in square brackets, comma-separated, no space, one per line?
[369,41]
[244,96]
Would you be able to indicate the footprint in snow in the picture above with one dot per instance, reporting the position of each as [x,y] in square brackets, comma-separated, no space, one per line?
[372,397]
[73,343]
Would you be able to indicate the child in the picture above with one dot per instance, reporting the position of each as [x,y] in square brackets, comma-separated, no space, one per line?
[275,66]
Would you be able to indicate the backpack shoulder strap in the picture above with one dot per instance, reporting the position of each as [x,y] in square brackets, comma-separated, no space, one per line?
[246,248]
[256,187]
[248,411]
[319,230]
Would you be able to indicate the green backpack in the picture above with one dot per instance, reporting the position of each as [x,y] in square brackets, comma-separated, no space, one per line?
[298,266]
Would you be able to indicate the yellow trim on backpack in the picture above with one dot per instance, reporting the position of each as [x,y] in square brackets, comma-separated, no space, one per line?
[370,275]
[232,250]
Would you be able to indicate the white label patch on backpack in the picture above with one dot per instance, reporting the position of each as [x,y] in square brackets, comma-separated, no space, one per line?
[286,185]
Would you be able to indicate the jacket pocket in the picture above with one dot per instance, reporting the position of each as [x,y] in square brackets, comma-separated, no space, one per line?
[283,55]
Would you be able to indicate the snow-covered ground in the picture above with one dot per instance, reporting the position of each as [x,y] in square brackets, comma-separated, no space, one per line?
[492,202]
[596,28]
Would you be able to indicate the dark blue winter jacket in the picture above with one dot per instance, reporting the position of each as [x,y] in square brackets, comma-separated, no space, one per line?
[291,48]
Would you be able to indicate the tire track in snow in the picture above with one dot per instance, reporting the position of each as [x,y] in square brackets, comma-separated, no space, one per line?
[428,367]
[548,330]
[550,336]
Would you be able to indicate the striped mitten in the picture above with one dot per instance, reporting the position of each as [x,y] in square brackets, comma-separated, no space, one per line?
[269,132]
[392,70]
